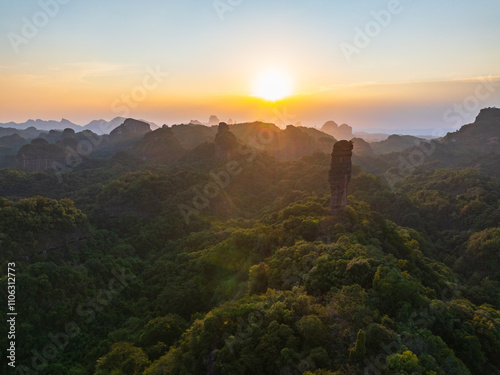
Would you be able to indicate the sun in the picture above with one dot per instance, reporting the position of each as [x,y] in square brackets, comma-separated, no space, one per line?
[273,85]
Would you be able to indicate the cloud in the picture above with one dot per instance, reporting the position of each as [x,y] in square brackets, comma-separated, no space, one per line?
[84,72]
[76,73]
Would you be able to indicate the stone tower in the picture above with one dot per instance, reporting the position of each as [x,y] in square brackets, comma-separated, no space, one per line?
[340,175]
[226,143]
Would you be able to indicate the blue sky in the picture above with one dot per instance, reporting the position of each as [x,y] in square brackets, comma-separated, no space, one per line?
[93,51]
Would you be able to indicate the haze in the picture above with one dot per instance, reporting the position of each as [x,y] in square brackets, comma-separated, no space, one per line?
[426,65]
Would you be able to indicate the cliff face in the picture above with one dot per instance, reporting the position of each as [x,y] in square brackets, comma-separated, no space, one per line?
[294,143]
[161,145]
[193,135]
[255,133]
[340,175]
[130,130]
[39,155]
[361,147]
[395,143]
[9,146]
[226,144]
[11,143]
[483,135]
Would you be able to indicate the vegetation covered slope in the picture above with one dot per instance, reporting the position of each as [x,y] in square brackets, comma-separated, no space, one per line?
[260,279]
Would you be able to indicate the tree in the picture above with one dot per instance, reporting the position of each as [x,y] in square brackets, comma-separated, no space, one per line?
[258,276]
[123,358]
[357,354]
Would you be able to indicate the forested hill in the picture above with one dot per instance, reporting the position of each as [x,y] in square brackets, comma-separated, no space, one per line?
[222,258]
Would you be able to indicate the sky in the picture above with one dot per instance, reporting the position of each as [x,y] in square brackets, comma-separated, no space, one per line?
[397,64]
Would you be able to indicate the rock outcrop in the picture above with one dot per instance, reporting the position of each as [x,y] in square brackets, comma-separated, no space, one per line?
[42,125]
[130,130]
[395,143]
[343,131]
[482,136]
[294,143]
[39,155]
[340,175]
[361,147]
[161,145]
[213,120]
[11,143]
[193,135]
[30,133]
[226,144]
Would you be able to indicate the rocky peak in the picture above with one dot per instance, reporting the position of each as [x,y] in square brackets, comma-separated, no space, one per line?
[483,135]
[40,155]
[343,131]
[489,115]
[225,142]
[131,127]
[160,144]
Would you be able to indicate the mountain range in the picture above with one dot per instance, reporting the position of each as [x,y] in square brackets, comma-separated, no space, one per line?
[197,249]
[140,140]
[96,126]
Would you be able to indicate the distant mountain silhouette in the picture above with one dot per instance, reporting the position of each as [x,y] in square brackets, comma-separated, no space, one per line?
[106,127]
[29,133]
[226,144]
[395,143]
[36,149]
[131,129]
[474,145]
[343,131]
[10,144]
[10,140]
[121,138]
[96,126]
[482,135]
[255,133]
[160,144]
[193,135]
[103,126]
[39,155]
[212,121]
[294,142]
[361,147]
[43,125]
[371,137]
[195,122]
[287,144]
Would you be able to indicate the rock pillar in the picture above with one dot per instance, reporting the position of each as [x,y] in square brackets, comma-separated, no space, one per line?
[340,175]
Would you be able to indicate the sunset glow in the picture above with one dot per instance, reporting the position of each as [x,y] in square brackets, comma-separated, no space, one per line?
[273,85]
[327,60]
[250,187]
